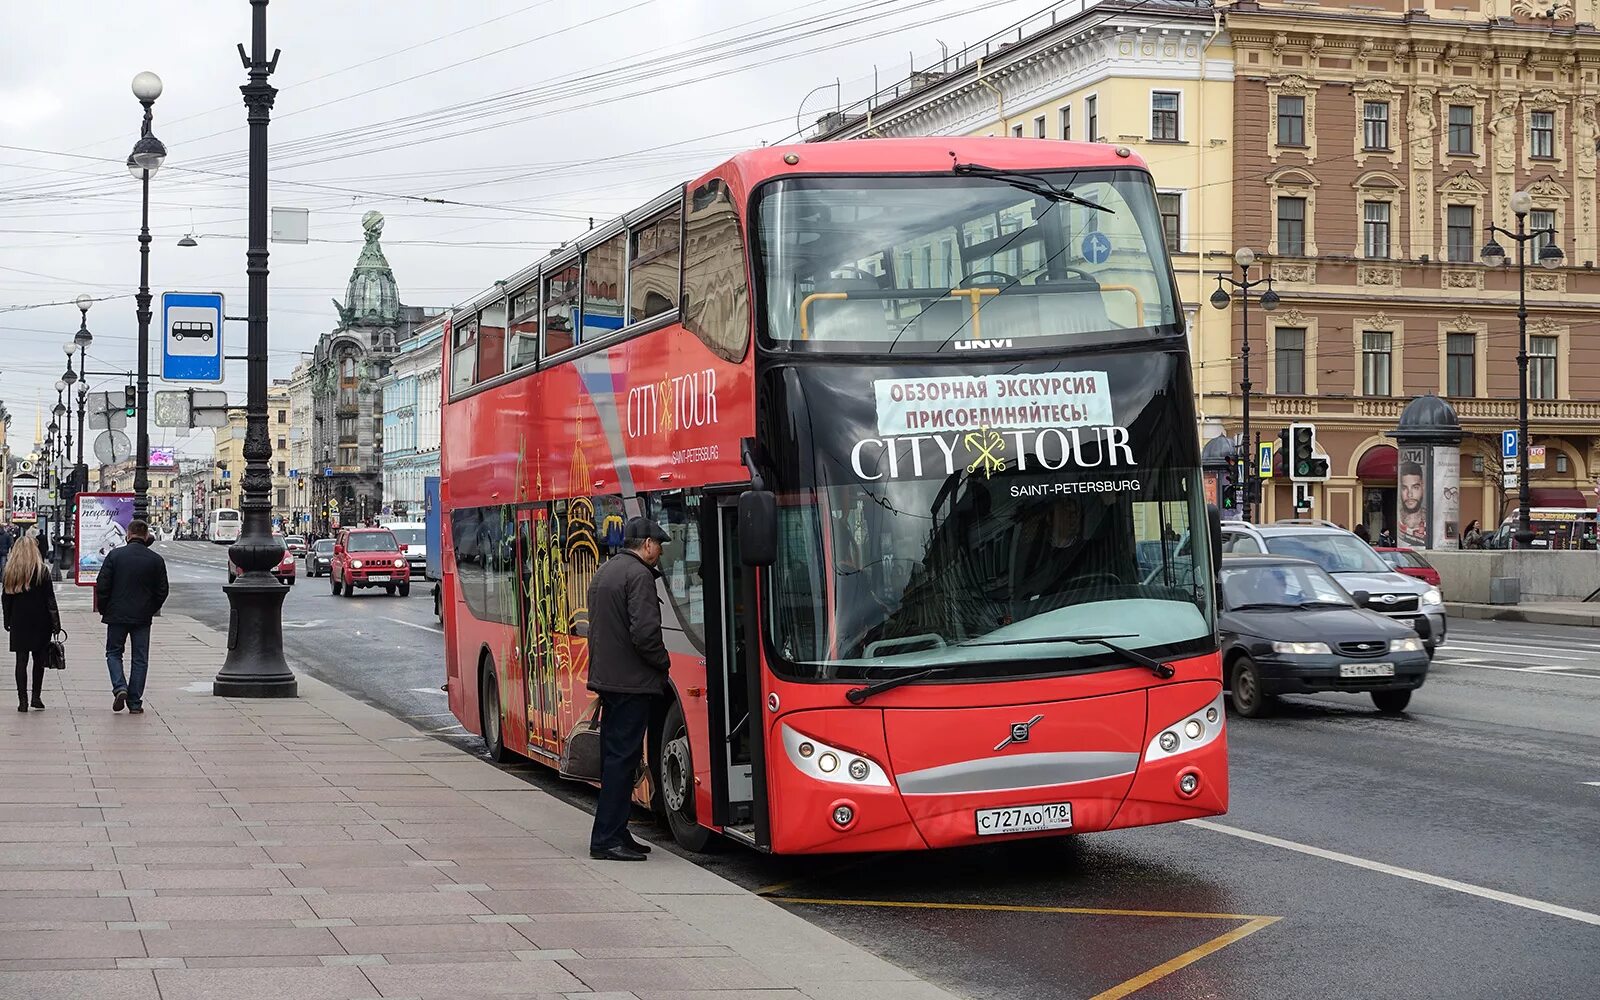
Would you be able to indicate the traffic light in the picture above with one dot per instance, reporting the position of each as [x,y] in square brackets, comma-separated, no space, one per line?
[1302,446]
[130,400]
[1229,495]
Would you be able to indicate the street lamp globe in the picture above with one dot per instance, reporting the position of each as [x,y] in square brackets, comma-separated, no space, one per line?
[1220,298]
[1550,256]
[146,87]
[69,376]
[61,386]
[1493,253]
[59,410]
[1269,300]
[147,156]
[68,348]
[1521,203]
[1244,257]
[83,302]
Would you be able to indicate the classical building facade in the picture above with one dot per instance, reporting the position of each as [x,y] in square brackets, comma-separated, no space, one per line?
[299,450]
[346,440]
[1155,76]
[411,393]
[227,457]
[1372,146]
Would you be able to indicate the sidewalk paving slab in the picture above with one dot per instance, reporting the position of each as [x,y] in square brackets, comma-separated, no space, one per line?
[319,849]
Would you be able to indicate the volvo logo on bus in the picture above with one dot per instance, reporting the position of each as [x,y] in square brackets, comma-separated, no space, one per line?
[1020,731]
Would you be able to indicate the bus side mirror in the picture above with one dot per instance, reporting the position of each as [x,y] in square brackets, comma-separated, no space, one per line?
[758,528]
[1214,522]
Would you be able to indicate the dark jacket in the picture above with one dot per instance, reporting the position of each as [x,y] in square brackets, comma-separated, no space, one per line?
[626,651]
[5,544]
[31,616]
[132,585]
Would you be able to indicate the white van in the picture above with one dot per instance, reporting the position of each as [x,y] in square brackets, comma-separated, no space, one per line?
[414,536]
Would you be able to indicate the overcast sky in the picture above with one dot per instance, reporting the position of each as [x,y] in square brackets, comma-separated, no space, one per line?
[529,116]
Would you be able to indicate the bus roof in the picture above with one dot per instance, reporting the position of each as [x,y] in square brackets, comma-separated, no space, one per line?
[934,155]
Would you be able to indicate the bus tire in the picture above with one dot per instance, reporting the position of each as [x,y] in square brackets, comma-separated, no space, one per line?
[438,611]
[490,722]
[677,784]
[1249,698]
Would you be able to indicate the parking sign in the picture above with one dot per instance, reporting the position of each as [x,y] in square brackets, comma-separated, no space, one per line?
[1508,444]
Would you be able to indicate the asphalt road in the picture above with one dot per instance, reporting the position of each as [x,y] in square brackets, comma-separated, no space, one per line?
[1452,852]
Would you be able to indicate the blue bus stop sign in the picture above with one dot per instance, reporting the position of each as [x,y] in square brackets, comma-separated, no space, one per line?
[191,336]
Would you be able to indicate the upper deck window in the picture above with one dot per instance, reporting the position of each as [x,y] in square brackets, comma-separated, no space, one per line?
[716,295]
[522,339]
[560,307]
[653,267]
[1005,265]
[602,287]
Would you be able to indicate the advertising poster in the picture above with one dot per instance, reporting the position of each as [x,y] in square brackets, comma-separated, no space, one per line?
[24,499]
[1413,497]
[1445,493]
[163,457]
[103,520]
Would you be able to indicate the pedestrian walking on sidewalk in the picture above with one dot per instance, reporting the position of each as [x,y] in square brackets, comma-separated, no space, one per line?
[628,666]
[130,589]
[6,537]
[31,616]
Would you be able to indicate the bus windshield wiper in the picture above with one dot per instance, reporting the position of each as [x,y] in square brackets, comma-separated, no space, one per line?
[1030,184]
[858,695]
[1161,670]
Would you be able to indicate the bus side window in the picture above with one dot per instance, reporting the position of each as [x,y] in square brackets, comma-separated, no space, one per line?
[602,288]
[679,513]
[653,267]
[716,294]
[560,306]
[491,341]
[522,339]
[464,355]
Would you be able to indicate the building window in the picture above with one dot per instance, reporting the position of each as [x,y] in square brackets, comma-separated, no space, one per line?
[1038,127]
[1016,131]
[1066,122]
[1376,354]
[282,442]
[1291,121]
[282,470]
[1375,229]
[283,416]
[1171,207]
[1460,364]
[1164,116]
[1091,112]
[1545,219]
[283,498]
[1375,125]
[1542,367]
[1461,129]
[1290,361]
[1542,135]
[1459,231]
[1292,227]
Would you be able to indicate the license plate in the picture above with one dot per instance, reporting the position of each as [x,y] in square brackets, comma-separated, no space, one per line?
[1024,819]
[1366,670]
[384,578]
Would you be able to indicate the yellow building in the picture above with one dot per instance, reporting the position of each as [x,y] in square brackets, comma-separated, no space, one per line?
[228,455]
[1157,78]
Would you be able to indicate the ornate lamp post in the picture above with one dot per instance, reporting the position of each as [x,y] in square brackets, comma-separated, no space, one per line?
[1220,299]
[255,667]
[1550,256]
[147,156]
[81,340]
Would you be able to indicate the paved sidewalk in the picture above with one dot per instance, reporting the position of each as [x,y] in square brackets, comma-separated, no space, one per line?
[318,849]
[1530,612]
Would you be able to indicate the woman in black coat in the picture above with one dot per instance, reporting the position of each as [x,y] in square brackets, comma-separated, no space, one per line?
[31,616]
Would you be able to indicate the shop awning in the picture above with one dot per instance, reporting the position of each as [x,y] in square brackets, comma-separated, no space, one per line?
[1559,496]
[1379,463]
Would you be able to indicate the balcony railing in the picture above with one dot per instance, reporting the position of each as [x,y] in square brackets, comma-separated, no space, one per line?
[1502,412]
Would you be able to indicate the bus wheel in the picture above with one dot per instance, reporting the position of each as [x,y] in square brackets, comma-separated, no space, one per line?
[489,712]
[438,612]
[677,784]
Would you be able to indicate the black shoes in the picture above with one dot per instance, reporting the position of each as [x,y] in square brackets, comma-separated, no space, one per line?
[38,702]
[621,852]
[22,706]
[629,842]
[118,699]
[136,711]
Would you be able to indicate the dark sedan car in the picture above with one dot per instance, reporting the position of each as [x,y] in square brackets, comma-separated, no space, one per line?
[319,557]
[1288,628]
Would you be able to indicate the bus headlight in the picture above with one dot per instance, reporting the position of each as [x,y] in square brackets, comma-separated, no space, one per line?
[823,762]
[1190,733]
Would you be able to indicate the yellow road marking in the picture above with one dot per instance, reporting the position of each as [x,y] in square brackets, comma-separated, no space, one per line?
[1189,957]
[1092,911]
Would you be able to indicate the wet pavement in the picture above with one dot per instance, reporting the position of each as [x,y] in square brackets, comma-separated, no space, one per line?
[1452,852]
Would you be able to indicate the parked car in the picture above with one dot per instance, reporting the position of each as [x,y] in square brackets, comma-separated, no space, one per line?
[319,557]
[295,544]
[1411,563]
[285,571]
[1287,627]
[1353,563]
[369,557]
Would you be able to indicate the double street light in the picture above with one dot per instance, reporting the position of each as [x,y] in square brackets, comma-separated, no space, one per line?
[1245,258]
[1550,257]
[147,156]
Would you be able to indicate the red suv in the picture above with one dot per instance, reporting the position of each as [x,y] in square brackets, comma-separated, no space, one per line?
[369,557]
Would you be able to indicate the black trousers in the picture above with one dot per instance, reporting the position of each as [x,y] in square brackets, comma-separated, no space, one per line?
[22,672]
[623,720]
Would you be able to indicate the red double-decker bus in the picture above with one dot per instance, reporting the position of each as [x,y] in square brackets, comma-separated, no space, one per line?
[918,417]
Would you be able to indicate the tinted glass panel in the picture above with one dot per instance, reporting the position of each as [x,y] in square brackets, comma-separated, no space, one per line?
[602,288]
[717,306]
[653,267]
[560,309]
[522,340]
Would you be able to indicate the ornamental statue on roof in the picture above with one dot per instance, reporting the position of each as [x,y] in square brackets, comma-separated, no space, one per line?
[371,298]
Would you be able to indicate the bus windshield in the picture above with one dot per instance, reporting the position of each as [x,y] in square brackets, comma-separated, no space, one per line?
[928,264]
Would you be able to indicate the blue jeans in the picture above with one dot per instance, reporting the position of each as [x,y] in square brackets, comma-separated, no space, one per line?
[116,636]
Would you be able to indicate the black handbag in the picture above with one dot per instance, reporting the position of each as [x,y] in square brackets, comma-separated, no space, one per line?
[56,658]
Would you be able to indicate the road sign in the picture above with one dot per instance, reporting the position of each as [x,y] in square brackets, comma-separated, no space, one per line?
[191,337]
[190,408]
[1264,461]
[1510,481]
[327,473]
[1536,456]
[333,504]
[105,413]
[113,446]
[1508,444]
[1097,248]
[294,473]
[1508,465]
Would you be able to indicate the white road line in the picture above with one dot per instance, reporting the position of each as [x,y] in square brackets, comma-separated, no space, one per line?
[1512,651]
[1517,670]
[1553,909]
[1594,784]
[425,628]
